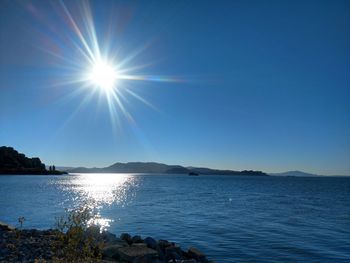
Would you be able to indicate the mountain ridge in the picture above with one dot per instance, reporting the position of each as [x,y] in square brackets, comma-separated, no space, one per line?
[161,168]
[295,173]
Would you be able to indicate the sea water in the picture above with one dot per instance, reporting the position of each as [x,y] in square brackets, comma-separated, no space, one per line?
[230,218]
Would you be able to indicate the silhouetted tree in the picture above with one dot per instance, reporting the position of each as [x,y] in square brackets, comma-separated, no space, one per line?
[50,168]
[53,168]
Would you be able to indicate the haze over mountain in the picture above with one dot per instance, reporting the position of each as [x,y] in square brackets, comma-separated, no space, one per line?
[153,167]
[295,173]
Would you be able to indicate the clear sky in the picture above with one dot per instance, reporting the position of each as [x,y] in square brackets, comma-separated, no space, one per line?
[259,85]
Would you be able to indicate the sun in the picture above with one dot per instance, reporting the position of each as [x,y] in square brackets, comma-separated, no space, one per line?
[103,75]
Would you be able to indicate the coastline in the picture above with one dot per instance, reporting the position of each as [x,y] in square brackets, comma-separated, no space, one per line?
[31,172]
[33,245]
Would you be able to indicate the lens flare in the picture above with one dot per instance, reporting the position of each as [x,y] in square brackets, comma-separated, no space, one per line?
[103,76]
[92,62]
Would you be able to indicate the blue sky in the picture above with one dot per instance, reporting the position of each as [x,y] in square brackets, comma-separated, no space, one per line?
[259,84]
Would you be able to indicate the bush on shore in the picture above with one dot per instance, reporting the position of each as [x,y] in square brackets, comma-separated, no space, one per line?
[77,241]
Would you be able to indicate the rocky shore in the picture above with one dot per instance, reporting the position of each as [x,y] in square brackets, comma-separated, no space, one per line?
[31,245]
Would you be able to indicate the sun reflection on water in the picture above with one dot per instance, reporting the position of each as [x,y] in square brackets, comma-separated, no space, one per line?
[104,189]
[100,190]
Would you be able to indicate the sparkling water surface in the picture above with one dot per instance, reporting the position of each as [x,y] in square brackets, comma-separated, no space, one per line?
[230,218]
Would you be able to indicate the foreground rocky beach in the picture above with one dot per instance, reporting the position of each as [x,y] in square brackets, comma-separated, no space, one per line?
[31,245]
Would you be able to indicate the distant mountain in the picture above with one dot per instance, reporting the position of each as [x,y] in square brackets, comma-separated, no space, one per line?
[62,168]
[225,172]
[294,173]
[152,167]
[13,162]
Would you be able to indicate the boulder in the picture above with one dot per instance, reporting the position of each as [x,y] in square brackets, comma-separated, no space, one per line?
[196,254]
[139,245]
[161,254]
[151,243]
[174,256]
[126,237]
[163,244]
[6,227]
[111,239]
[111,252]
[132,253]
[173,252]
[137,239]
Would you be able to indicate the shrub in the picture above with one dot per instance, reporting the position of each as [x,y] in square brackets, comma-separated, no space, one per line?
[78,240]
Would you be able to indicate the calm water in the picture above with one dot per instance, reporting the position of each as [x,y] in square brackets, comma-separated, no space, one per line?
[232,219]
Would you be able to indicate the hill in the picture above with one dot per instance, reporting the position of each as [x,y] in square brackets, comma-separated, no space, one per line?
[160,168]
[295,173]
[13,162]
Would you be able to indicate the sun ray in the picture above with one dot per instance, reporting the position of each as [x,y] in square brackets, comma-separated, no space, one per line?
[96,69]
[141,99]
[77,30]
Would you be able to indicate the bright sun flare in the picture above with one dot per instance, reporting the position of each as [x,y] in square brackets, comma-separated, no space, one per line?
[103,75]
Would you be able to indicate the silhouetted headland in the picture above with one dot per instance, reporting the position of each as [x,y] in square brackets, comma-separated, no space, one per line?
[13,162]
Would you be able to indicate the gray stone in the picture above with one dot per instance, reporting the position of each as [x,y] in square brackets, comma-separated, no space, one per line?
[111,252]
[111,239]
[174,256]
[139,245]
[131,253]
[161,253]
[164,243]
[4,251]
[151,243]
[173,252]
[196,254]
[6,227]
[137,239]
[126,237]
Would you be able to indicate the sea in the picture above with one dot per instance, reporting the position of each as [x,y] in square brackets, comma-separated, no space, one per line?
[229,218]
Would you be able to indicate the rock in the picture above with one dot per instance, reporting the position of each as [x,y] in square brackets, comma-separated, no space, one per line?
[111,239]
[126,237]
[28,245]
[196,254]
[111,252]
[131,253]
[137,239]
[161,254]
[163,243]
[34,232]
[151,243]
[6,227]
[139,245]
[174,256]
[4,251]
[173,252]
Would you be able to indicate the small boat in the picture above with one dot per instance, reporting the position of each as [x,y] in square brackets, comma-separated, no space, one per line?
[193,174]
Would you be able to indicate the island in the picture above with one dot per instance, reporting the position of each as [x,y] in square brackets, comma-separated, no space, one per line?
[13,162]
